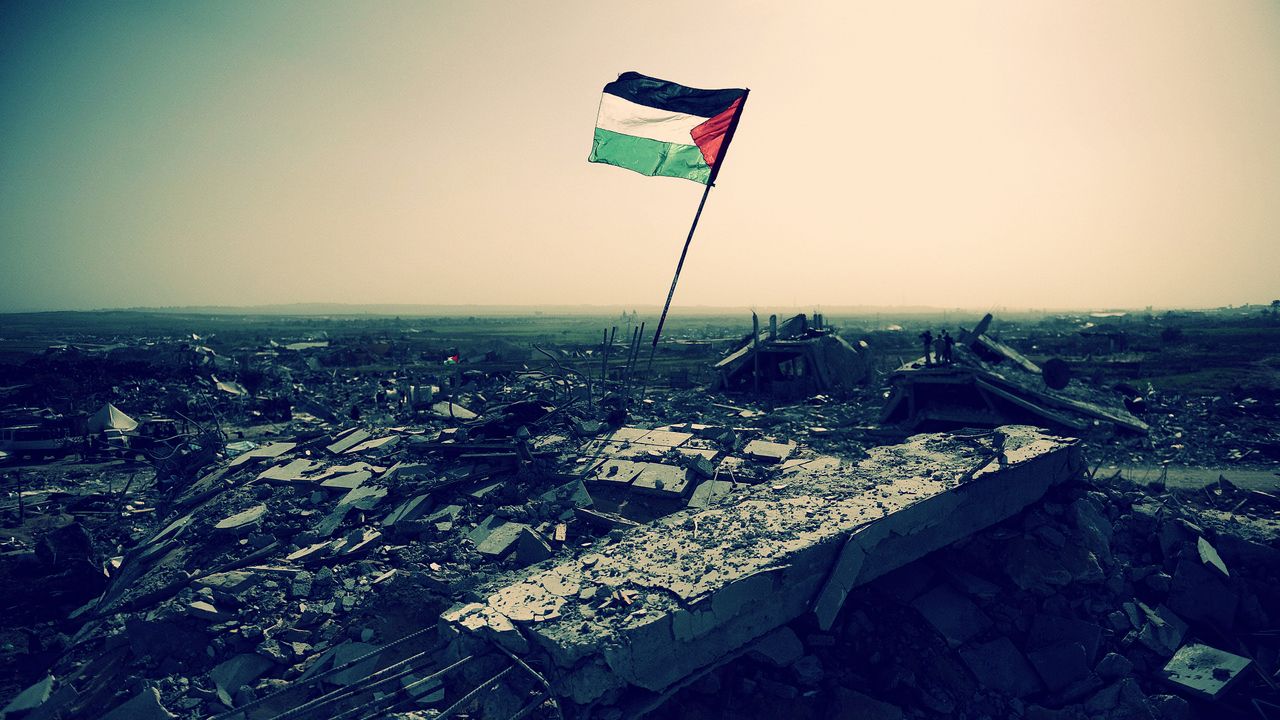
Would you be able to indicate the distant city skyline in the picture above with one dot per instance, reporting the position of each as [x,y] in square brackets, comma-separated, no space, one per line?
[951,155]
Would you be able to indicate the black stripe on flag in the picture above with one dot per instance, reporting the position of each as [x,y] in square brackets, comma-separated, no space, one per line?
[663,95]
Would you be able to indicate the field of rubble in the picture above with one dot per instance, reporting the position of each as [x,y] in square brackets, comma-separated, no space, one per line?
[1072,516]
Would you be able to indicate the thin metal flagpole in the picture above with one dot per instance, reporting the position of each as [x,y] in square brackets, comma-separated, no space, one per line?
[711,182]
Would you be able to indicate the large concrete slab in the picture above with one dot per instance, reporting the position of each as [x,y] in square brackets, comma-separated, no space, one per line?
[685,592]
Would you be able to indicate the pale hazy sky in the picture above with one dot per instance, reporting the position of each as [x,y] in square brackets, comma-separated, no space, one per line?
[977,154]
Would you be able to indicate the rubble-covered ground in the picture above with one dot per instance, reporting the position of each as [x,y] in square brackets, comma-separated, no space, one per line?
[338,483]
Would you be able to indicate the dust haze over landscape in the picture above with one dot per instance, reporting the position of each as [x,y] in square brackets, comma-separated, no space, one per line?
[337,379]
[956,155]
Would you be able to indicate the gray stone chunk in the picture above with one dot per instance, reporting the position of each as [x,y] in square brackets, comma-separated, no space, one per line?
[143,706]
[1059,665]
[242,669]
[780,648]
[31,698]
[953,615]
[999,666]
[241,520]
[1047,630]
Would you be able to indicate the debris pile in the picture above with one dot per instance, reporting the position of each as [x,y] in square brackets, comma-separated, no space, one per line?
[982,382]
[366,528]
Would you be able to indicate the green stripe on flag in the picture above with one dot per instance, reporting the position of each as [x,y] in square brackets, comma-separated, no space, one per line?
[650,157]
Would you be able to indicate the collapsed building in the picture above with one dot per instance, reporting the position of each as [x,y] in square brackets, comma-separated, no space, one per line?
[520,550]
[794,359]
[988,383]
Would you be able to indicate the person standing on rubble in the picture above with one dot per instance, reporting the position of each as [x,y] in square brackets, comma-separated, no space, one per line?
[948,342]
[926,338]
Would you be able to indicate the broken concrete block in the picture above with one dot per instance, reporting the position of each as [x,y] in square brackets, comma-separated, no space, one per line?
[347,440]
[300,588]
[143,706]
[853,705]
[1163,631]
[1048,630]
[1095,529]
[616,471]
[808,671]
[409,511]
[953,615]
[532,547]
[1201,593]
[444,518]
[1114,666]
[1059,665]
[999,666]
[29,699]
[485,529]
[661,479]
[1124,699]
[231,583]
[241,521]
[710,491]
[770,452]
[501,540]
[779,648]
[446,409]
[347,481]
[1209,556]
[207,611]
[1170,707]
[1203,671]
[229,675]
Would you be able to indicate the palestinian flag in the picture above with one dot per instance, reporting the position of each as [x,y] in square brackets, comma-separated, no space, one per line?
[655,127]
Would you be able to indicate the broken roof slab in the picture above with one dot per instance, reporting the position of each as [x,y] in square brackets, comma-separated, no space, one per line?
[707,583]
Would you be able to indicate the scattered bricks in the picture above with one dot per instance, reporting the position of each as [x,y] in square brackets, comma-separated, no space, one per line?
[1203,671]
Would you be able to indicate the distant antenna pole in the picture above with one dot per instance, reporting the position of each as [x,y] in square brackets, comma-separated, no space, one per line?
[711,182]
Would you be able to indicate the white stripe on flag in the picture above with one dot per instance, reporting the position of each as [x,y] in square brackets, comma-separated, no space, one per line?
[628,118]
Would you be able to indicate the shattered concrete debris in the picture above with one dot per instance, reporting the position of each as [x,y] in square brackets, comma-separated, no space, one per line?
[1204,671]
[669,550]
[987,384]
